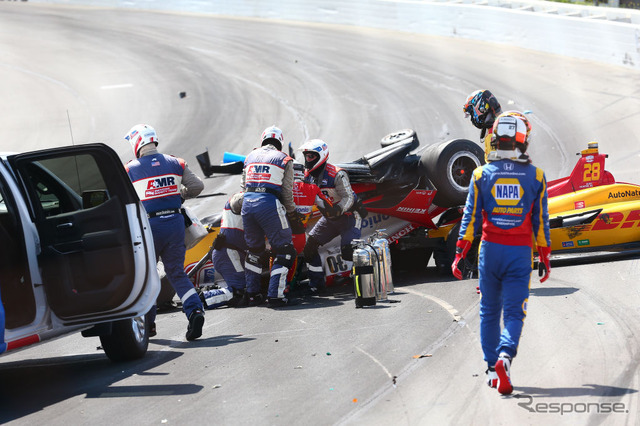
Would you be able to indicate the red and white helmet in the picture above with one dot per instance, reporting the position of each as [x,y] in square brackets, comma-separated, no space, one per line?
[272,136]
[510,138]
[141,135]
[315,146]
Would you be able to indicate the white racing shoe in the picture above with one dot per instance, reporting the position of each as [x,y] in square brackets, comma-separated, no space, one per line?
[503,370]
[492,377]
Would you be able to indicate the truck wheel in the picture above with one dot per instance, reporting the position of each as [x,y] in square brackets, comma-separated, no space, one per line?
[449,166]
[129,340]
[399,136]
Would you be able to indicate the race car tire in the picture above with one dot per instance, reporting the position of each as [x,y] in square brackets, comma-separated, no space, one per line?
[399,136]
[129,340]
[449,166]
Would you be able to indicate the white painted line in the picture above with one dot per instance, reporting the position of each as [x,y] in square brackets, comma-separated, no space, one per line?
[454,313]
[376,361]
[117,86]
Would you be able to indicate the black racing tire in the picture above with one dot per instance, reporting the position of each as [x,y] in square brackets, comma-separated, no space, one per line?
[449,166]
[399,136]
[129,340]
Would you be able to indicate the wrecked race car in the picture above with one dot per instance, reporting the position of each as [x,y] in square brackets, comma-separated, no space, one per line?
[415,194]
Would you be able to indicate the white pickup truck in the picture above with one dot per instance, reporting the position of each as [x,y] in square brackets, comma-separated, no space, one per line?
[76,251]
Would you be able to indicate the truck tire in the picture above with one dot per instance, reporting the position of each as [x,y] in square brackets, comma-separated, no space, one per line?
[449,166]
[400,135]
[129,340]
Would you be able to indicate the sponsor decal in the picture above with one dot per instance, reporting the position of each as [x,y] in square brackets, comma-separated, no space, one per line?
[608,221]
[508,166]
[589,158]
[161,186]
[371,221]
[579,205]
[507,191]
[411,210]
[258,172]
[584,242]
[566,244]
[401,233]
[624,194]
[512,211]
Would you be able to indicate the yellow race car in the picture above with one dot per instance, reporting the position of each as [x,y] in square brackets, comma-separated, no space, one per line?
[589,211]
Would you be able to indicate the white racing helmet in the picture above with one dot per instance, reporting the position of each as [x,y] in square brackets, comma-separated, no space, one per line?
[315,146]
[272,136]
[510,138]
[141,135]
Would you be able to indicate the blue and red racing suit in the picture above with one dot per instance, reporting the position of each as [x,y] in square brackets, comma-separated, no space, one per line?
[267,183]
[507,203]
[157,179]
[335,186]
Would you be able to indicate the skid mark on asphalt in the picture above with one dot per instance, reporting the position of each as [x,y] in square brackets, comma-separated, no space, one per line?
[453,311]
[282,101]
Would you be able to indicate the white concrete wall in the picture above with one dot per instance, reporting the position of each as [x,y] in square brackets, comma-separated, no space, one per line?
[602,34]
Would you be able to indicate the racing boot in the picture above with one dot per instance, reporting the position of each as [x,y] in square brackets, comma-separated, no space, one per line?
[492,377]
[503,370]
[238,296]
[196,321]
[251,299]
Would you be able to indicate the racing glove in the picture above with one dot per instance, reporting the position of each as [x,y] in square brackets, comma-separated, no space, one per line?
[544,264]
[295,221]
[462,248]
[331,211]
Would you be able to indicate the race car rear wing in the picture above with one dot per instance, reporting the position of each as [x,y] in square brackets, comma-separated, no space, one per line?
[588,173]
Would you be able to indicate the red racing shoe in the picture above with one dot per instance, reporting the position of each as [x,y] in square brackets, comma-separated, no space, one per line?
[503,368]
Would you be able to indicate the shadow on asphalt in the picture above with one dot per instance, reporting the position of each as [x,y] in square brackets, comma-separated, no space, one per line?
[202,342]
[552,291]
[585,390]
[29,386]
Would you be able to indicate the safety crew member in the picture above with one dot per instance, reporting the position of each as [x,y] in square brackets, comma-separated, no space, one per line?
[230,250]
[507,204]
[162,183]
[340,214]
[482,108]
[267,182]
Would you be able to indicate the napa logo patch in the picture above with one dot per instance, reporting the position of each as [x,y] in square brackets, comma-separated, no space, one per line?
[507,191]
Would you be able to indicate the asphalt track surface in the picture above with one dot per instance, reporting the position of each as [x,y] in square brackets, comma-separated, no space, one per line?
[88,75]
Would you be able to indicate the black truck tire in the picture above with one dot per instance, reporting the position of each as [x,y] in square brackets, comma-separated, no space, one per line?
[129,340]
